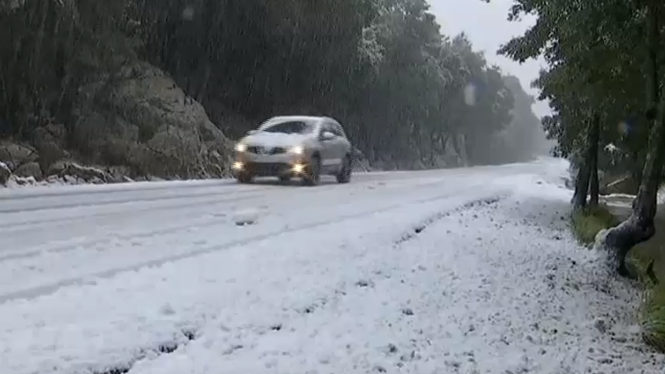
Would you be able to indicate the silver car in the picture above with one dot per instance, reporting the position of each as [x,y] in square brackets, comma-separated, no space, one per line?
[294,146]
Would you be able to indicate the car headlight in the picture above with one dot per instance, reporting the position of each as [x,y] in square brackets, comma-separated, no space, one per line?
[298,150]
[240,147]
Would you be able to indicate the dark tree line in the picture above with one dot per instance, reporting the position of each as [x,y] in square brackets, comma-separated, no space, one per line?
[407,93]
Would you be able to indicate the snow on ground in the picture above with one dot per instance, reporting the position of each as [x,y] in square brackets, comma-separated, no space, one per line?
[478,274]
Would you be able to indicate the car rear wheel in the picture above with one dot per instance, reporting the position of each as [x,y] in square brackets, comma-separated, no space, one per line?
[312,175]
[344,175]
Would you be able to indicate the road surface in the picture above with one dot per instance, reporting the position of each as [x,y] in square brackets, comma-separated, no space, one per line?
[51,237]
[410,272]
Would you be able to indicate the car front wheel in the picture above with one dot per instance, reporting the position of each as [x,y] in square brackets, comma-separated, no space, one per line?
[312,175]
[284,178]
[344,174]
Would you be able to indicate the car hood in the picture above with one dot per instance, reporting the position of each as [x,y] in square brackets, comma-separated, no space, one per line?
[273,139]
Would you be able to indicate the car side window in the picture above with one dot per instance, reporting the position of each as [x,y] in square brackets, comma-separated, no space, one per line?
[324,127]
[330,126]
[338,130]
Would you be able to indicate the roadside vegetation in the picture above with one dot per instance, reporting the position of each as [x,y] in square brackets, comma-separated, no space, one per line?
[589,221]
[649,267]
[606,70]
[653,317]
[644,263]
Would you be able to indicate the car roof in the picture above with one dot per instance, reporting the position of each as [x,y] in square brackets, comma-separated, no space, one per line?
[297,118]
[316,120]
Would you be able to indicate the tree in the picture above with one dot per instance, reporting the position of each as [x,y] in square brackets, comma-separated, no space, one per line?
[590,47]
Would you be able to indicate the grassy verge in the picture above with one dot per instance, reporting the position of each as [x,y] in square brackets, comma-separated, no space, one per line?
[653,309]
[653,317]
[589,221]
[646,261]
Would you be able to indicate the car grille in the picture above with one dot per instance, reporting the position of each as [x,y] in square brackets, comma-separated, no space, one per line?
[265,150]
[266,169]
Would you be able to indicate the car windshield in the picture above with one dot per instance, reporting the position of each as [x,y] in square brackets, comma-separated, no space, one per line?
[290,127]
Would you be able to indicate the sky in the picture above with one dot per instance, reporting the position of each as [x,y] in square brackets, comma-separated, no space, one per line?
[487,27]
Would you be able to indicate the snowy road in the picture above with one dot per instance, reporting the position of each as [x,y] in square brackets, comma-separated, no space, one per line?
[449,271]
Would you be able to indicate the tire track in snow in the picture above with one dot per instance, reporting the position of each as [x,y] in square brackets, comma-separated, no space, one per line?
[67,221]
[119,188]
[13,223]
[32,292]
[23,196]
[208,203]
[128,199]
[235,195]
[69,246]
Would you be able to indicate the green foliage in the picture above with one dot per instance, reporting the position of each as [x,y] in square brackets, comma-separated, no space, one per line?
[589,221]
[590,48]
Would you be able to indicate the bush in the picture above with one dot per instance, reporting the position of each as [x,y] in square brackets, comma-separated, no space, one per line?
[589,221]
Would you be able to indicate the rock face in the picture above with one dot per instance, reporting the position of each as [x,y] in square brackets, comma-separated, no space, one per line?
[360,162]
[455,154]
[13,154]
[5,173]
[140,118]
[137,122]
[30,169]
[50,143]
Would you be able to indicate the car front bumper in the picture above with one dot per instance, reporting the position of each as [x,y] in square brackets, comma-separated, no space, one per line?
[269,166]
[268,169]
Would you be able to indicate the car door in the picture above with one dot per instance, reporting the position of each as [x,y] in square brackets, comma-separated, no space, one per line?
[328,147]
[344,146]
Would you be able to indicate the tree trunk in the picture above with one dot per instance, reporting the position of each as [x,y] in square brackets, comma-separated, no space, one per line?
[594,140]
[639,227]
[584,173]
[581,186]
[594,184]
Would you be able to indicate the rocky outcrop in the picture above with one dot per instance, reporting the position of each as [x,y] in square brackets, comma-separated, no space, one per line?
[455,152]
[14,154]
[5,173]
[360,162]
[140,118]
[30,169]
[137,122]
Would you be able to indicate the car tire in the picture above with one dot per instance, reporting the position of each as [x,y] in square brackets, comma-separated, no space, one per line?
[245,178]
[312,175]
[344,174]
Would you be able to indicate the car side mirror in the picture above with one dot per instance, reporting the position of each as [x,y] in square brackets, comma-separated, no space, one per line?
[327,135]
